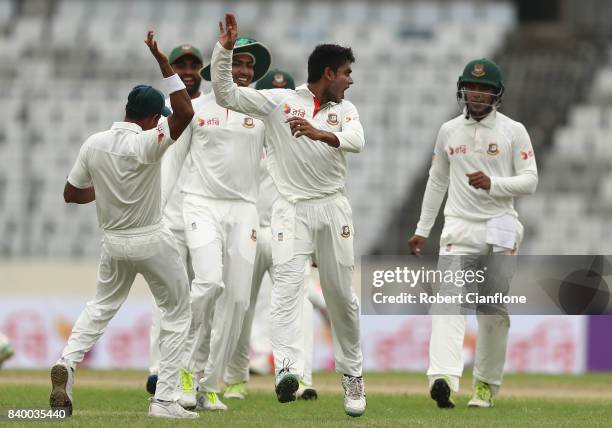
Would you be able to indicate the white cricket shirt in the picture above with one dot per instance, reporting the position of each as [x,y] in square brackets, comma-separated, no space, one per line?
[499,147]
[301,168]
[175,164]
[225,150]
[123,165]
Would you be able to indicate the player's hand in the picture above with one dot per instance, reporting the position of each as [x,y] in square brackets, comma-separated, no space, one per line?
[229,34]
[159,55]
[301,127]
[416,243]
[479,180]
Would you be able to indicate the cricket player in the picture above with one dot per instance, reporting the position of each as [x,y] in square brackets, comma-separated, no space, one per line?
[120,170]
[308,133]
[237,374]
[484,159]
[186,61]
[220,221]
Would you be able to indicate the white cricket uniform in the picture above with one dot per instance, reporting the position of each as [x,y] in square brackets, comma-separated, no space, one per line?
[123,165]
[220,220]
[255,333]
[312,216]
[477,222]
[173,172]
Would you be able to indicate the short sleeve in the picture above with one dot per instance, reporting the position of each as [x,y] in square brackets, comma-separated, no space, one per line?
[80,176]
[150,145]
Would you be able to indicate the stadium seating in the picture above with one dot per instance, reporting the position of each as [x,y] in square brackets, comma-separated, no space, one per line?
[570,213]
[65,75]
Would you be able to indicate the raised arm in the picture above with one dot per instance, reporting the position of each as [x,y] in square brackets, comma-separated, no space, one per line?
[244,100]
[182,110]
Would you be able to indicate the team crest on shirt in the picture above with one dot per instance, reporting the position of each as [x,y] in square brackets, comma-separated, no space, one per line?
[526,154]
[478,70]
[248,122]
[280,237]
[346,231]
[332,119]
[493,150]
[253,235]
[286,108]
[279,80]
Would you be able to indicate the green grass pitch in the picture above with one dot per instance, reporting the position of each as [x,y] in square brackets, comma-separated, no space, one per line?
[117,398]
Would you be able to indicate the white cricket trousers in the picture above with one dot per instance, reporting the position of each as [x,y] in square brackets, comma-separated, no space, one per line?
[238,368]
[221,235]
[156,314]
[152,252]
[321,228]
[460,244]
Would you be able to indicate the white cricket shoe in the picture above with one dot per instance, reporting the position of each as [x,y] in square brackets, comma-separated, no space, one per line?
[236,390]
[483,396]
[210,401]
[187,391]
[169,410]
[62,380]
[306,392]
[354,395]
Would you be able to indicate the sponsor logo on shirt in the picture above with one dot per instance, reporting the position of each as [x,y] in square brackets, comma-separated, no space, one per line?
[493,150]
[526,154]
[248,122]
[253,235]
[280,237]
[478,70]
[346,231]
[332,119]
[160,133]
[288,110]
[462,149]
[213,121]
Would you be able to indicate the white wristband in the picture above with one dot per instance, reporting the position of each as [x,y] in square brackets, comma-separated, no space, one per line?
[173,84]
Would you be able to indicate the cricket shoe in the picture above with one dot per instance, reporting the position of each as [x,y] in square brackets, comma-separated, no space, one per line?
[354,395]
[209,401]
[441,393]
[169,410]
[306,392]
[236,390]
[287,383]
[6,350]
[151,385]
[483,396]
[62,380]
[187,391]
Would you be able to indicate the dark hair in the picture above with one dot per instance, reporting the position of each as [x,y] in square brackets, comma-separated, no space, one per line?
[132,114]
[332,56]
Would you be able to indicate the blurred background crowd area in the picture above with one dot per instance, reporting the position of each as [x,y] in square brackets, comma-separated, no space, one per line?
[67,66]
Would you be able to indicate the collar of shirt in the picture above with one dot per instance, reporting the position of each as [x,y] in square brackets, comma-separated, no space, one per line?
[128,126]
[488,121]
[303,90]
